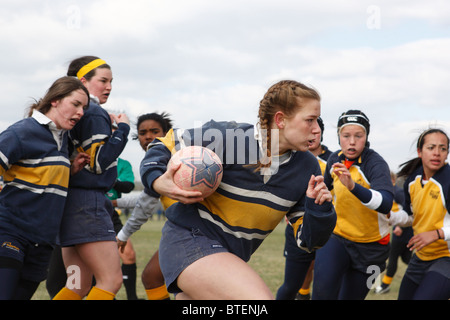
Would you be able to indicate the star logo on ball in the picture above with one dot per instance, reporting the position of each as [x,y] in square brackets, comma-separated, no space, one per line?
[204,170]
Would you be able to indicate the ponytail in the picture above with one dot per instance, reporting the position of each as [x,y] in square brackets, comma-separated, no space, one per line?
[408,167]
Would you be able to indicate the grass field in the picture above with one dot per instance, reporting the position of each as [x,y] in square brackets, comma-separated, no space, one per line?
[268,261]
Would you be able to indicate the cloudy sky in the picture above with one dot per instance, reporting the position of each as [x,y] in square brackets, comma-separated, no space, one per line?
[214,59]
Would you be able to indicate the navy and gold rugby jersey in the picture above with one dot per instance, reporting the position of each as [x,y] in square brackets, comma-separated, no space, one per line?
[323,158]
[247,206]
[93,135]
[36,174]
[399,199]
[429,204]
[355,221]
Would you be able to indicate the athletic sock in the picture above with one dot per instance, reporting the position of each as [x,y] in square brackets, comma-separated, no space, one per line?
[100,294]
[66,294]
[9,279]
[159,293]
[129,280]
[304,292]
[387,280]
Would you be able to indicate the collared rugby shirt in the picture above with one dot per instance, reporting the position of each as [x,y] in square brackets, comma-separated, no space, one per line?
[248,205]
[35,166]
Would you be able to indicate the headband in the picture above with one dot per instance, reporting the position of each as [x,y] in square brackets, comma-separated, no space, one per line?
[89,67]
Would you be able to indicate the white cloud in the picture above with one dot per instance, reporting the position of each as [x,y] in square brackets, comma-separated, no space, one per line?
[214,59]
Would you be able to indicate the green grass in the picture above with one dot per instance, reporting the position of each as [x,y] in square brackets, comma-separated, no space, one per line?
[268,261]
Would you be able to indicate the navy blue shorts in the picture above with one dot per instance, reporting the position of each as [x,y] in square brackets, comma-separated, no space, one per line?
[360,256]
[179,247]
[17,252]
[87,218]
[417,268]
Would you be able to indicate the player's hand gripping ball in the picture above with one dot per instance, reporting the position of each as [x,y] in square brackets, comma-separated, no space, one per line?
[200,170]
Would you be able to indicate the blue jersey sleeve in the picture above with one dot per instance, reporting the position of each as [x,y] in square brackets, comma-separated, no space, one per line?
[10,147]
[155,161]
[318,225]
[318,221]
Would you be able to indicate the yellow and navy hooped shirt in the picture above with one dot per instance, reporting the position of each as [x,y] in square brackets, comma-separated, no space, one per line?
[35,165]
[247,206]
[429,204]
[355,221]
[93,135]
[323,158]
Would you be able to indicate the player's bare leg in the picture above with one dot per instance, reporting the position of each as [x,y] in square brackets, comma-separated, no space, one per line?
[222,276]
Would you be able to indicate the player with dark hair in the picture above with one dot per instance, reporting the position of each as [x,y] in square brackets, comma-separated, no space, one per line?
[35,165]
[427,197]
[144,205]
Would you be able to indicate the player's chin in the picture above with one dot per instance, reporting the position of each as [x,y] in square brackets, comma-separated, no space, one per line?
[303,147]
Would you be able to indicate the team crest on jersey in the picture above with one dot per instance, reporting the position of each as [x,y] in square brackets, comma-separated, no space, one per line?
[434,194]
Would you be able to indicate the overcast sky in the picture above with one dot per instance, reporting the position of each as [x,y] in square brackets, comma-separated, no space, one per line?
[214,59]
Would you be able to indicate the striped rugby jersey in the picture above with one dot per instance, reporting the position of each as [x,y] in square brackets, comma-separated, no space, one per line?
[323,158]
[247,206]
[93,135]
[35,166]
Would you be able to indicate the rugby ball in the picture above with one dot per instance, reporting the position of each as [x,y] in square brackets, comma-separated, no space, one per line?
[200,170]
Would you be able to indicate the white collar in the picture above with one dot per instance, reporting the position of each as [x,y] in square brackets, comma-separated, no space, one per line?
[96,99]
[46,121]
[41,118]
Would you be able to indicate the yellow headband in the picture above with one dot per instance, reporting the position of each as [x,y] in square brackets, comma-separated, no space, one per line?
[89,67]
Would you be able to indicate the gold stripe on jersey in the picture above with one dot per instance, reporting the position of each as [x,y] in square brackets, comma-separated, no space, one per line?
[322,164]
[296,226]
[430,213]
[167,202]
[41,176]
[355,221]
[238,234]
[169,140]
[230,211]
[96,137]
[92,152]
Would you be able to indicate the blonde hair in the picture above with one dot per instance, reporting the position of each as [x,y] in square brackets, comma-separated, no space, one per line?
[282,96]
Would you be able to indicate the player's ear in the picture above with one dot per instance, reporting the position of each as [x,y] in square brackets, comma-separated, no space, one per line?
[279,119]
